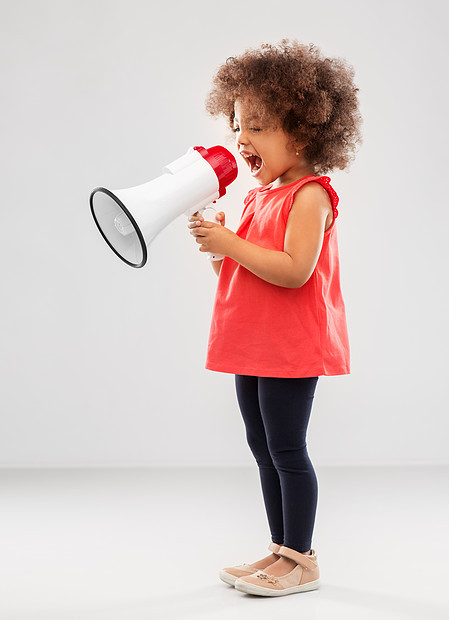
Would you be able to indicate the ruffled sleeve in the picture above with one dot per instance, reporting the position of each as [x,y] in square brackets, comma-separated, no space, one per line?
[325,182]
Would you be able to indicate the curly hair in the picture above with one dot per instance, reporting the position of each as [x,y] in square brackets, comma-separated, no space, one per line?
[292,86]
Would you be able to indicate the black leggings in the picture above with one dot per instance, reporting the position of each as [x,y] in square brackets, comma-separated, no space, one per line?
[276,413]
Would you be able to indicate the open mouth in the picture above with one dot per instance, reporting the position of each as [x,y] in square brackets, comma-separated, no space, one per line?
[255,162]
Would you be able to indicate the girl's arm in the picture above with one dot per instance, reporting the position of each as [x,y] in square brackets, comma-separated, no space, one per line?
[302,244]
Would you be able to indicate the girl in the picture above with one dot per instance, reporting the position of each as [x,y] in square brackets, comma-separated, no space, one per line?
[279,318]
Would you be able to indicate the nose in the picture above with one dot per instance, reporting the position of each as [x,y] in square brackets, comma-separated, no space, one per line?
[242,138]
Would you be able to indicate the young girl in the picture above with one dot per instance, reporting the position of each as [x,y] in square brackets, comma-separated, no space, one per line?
[279,317]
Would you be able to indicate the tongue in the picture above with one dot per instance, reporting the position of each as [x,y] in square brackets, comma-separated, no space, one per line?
[256,163]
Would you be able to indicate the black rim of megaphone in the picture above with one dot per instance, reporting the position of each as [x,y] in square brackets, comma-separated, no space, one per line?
[133,221]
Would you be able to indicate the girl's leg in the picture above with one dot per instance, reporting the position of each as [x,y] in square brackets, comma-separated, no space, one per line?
[285,405]
[248,399]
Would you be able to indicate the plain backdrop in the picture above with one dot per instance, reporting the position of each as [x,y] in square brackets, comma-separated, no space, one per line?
[102,364]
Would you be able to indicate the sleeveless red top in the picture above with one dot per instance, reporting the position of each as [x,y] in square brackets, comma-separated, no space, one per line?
[266,330]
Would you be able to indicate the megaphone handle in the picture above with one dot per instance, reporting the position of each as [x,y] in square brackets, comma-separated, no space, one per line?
[209,214]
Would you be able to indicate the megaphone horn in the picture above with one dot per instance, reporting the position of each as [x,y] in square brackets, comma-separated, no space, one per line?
[129,219]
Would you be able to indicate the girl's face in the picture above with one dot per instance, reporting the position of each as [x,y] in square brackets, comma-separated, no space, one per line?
[267,151]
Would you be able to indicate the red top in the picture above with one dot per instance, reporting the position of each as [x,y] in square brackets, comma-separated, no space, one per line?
[266,330]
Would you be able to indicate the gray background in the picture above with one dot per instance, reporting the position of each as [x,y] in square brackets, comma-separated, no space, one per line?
[103,364]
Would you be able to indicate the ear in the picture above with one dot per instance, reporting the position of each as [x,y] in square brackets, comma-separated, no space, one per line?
[299,146]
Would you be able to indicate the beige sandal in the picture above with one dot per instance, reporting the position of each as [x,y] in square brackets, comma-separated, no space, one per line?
[304,577]
[229,575]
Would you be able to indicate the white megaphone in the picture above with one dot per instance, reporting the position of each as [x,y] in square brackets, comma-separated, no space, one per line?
[129,219]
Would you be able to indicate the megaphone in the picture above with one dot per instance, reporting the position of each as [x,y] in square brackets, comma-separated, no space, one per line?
[129,219]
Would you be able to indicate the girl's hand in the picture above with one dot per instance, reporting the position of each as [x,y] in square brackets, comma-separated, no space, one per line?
[221,217]
[196,216]
[213,237]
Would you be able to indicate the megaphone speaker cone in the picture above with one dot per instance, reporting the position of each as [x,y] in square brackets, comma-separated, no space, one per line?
[118,227]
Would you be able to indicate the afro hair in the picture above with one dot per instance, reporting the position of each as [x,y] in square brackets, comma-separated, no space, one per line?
[293,86]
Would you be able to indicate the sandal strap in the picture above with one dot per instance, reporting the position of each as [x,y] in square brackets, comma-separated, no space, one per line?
[305,560]
[274,547]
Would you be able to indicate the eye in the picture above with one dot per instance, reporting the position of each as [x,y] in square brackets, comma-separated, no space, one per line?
[235,129]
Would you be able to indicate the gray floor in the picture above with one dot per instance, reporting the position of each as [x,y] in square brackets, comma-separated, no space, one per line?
[109,544]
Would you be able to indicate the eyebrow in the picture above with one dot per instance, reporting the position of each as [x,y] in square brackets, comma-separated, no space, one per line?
[250,118]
